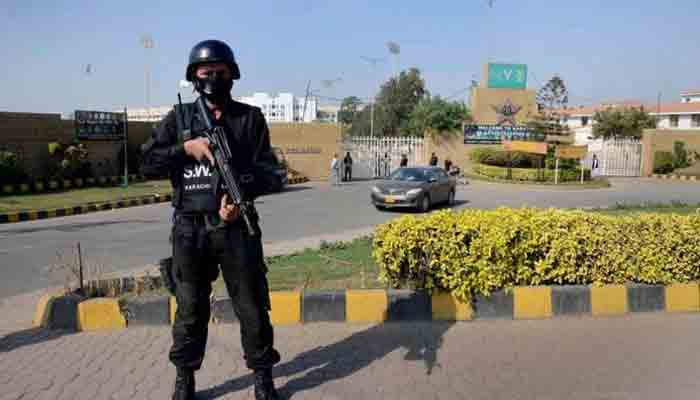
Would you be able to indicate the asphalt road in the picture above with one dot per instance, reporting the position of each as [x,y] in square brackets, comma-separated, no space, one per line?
[133,237]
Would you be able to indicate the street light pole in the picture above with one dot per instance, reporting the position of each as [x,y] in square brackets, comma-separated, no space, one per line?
[147,43]
[374,61]
[395,50]
[328,84]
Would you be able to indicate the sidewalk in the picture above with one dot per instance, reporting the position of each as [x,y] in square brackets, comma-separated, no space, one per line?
[648,356]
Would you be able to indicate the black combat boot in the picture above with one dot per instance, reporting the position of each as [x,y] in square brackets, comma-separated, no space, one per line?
[184,385]
[264,386]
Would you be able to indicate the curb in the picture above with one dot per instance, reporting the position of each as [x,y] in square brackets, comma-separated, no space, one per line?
[6,218]
[297,179]
[378,306]
[675,177]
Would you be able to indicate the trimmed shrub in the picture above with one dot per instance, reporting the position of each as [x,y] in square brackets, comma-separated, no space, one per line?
[663,162]
[500,158]
[529,174]
[680,155]
[10,170]
[478,251]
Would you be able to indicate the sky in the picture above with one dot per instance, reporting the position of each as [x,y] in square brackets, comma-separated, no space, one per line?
[604,50]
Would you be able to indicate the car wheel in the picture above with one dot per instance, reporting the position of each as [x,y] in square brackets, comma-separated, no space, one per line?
[277,185]
[379,208]
[424,204]
[451,198]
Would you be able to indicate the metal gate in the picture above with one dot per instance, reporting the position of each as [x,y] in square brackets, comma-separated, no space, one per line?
[618,157]
[376,157]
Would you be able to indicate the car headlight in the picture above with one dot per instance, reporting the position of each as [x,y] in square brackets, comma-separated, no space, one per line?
[376,190]
[414,192]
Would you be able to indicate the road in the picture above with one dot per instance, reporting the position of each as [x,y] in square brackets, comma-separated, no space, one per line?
[637,357]
[133,237]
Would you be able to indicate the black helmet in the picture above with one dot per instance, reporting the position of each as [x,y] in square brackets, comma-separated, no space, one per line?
[211,51]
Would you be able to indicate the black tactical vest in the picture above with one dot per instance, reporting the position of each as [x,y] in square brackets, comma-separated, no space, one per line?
[196,192]
[195,184]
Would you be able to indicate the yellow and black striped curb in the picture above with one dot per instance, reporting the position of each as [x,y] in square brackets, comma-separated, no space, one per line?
[83,209]
[676,177]
[41,186]
[297,179]
[377,306]
[109,205]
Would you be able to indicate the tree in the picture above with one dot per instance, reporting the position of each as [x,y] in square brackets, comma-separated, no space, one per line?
[551,99]
[348,108]
[437,116]
[392,107]
[553,96]
[625,123]
[396,101]
[360,123]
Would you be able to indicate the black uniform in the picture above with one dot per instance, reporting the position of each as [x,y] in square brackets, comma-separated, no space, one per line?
[197,251]
[433,161]
[347,161]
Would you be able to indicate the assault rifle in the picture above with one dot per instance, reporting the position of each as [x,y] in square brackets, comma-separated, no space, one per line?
[219,147]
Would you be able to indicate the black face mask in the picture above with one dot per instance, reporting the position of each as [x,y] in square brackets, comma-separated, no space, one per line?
[214,87]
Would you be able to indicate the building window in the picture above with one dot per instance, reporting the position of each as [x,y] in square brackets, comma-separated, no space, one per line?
[674,121]
[584,121]
[696,121]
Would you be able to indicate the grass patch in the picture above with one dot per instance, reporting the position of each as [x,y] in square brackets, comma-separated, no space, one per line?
[77,197]
[596,183]
[674,207]
[335,266]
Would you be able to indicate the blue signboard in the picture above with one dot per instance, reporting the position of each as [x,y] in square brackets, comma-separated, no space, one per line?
[99,125]
[494,134]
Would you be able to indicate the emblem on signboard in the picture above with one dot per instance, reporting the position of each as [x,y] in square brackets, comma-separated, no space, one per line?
[507,112]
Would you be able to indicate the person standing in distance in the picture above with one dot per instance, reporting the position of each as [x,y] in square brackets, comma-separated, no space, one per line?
[433,160]
[335,170]
[347,163]
[207,231]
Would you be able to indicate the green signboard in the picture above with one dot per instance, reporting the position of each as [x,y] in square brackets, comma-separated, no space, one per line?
[507,76]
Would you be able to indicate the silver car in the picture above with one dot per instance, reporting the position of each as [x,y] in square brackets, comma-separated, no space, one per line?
[416,187]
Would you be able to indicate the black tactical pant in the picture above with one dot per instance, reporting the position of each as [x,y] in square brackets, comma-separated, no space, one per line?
[197,254]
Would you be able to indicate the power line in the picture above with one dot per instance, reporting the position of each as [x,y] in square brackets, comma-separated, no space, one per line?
[457,93]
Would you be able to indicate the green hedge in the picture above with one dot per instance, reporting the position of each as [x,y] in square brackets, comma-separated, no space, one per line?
[663,162]
[530,174]
[40,186]
[478,252]
[500,158]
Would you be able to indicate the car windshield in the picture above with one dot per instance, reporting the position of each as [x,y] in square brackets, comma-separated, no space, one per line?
[410,174]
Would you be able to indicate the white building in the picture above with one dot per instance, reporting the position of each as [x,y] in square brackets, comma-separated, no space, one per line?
[690,96]
[680,115]
[283,108]
[152,114]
